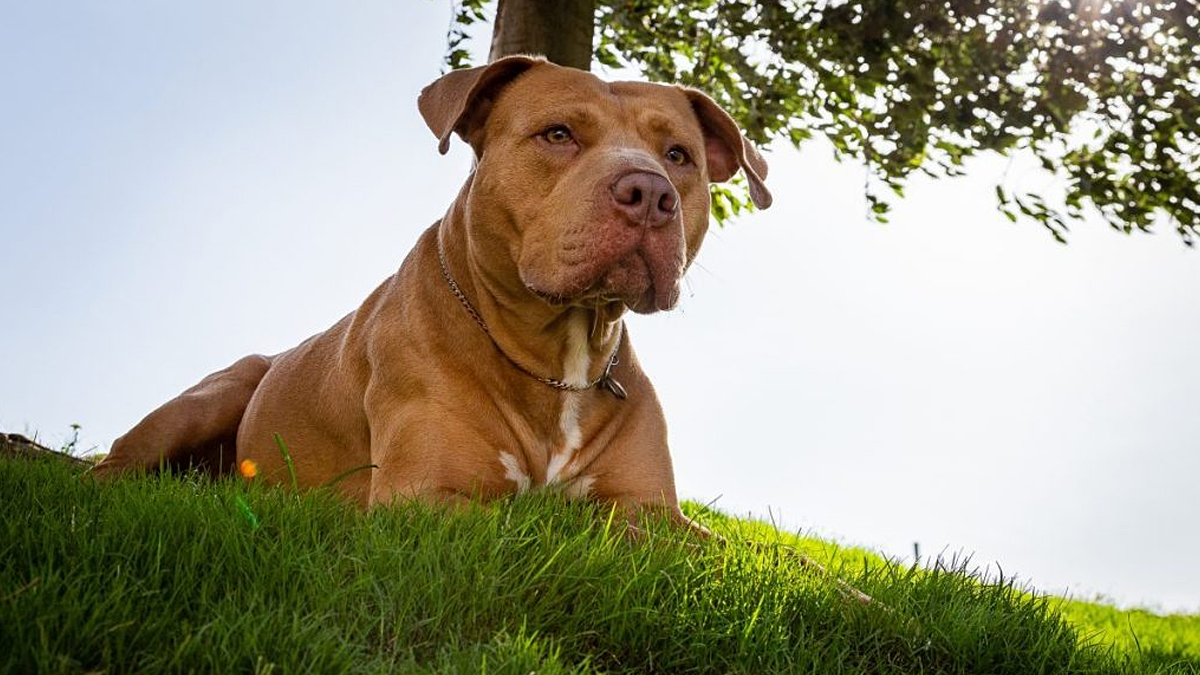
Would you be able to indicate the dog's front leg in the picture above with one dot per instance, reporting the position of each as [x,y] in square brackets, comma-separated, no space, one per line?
[427,453]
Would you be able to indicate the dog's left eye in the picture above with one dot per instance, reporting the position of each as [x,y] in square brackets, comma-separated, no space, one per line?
[558,135]
[677,156]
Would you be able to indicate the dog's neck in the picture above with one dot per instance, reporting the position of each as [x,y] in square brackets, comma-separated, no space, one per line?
[567,343]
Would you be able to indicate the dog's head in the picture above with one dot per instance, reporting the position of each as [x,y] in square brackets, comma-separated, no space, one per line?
[587,192]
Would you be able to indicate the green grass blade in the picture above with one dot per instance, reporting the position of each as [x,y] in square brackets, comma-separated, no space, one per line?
[347,473]
[287,459]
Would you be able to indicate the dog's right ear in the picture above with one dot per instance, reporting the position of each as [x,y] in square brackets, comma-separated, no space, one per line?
[460,100]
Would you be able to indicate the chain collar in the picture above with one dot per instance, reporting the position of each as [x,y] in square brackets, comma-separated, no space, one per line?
[605,381]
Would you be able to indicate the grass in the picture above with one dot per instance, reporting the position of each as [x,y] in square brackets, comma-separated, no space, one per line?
[1161,639]
[180,574]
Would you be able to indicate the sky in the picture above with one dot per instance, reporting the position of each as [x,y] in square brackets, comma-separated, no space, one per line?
[182,184]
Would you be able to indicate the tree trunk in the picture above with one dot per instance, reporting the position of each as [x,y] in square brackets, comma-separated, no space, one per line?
[560,30]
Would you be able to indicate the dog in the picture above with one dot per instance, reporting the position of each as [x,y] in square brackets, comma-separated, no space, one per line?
[496,359]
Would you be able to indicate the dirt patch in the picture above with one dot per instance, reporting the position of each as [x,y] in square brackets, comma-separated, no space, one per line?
[17,446]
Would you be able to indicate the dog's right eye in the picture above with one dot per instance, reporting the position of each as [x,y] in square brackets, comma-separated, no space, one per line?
[558,135]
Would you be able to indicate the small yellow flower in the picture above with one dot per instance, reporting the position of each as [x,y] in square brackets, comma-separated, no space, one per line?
[249,468]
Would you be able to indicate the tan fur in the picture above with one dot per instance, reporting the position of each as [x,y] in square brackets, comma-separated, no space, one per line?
[410,383]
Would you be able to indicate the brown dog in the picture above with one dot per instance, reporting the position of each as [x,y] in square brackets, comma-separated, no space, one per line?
[495,360]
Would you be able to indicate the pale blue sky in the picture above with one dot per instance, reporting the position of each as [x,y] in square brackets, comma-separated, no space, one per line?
[181,185]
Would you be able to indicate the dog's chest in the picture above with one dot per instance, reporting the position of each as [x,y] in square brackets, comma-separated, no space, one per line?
[559,462]
[564,468]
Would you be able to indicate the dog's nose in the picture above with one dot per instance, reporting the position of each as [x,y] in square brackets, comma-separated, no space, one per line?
[645,197]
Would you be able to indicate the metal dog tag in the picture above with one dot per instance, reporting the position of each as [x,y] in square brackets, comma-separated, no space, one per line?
[612,386]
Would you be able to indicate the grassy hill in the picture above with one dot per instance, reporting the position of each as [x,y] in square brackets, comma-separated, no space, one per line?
[171,574]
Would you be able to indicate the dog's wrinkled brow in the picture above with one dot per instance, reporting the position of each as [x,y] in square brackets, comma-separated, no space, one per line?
[573,116]
[661,124]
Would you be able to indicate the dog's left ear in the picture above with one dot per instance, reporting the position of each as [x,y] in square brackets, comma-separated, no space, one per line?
[726,149]
[460,100]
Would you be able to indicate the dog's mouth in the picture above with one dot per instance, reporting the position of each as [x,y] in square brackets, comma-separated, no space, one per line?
[552,299]
[630,281]
[594,297]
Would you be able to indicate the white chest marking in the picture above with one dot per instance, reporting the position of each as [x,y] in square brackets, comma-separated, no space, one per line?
[578,358]
[513,472]
[576,363]
[575,372]
[572,438]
